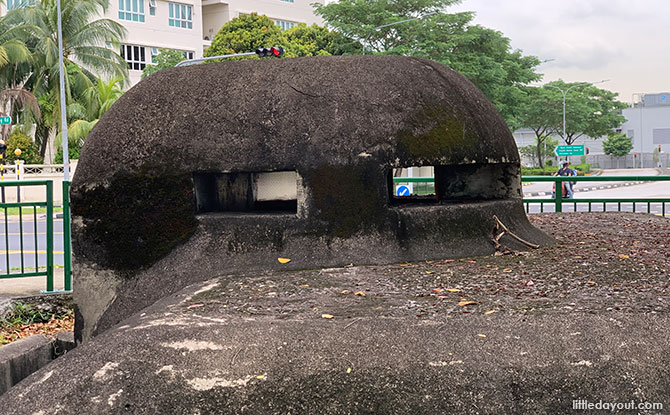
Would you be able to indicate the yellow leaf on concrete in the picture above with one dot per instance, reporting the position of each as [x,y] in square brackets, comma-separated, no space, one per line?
[466,302]
[284,260]
[345,291]
[303,285]
[490,312]
[430,272]
[360,293]
[623,256]
[348,370]
[437,290]
[261,377]
[453,290]
[482,335]
[507,270]
[405,265]
[328,316]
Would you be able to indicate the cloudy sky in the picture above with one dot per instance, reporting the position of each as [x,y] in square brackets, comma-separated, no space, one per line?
[625,41]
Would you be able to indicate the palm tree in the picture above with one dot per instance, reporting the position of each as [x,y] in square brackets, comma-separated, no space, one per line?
[13,54]
[85,52]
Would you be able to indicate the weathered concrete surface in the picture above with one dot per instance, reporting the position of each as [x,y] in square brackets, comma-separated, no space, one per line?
[183,358]
[341,123]
[586,318]
[23,357]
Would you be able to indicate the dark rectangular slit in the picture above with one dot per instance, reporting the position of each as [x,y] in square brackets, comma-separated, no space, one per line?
[252,192]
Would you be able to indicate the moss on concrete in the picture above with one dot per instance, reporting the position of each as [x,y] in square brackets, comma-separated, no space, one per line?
[449,137]
[137,219]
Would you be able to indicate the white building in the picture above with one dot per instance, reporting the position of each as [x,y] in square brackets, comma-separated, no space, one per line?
[648,123]
[190,25]
[186,25]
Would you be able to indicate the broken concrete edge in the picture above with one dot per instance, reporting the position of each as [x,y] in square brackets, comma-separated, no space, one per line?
[20,359]
[55,303]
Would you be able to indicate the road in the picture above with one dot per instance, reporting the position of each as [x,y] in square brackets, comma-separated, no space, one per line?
[532,188]
[34,245]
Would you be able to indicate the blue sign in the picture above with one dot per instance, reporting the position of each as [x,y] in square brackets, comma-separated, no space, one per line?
[402,191]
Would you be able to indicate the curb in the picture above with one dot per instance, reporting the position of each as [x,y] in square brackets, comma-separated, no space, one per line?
[20,359]
[585,189]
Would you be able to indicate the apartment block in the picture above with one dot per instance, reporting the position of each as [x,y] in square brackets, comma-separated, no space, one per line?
[185,25]
[190,25]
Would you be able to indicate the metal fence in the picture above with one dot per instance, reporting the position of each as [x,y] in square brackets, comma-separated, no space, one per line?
[559,202]
[26,252]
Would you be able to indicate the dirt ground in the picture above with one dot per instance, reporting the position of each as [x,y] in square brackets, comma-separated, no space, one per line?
[602,262]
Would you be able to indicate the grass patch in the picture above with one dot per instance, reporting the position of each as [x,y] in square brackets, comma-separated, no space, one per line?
[24,320]
[29,210]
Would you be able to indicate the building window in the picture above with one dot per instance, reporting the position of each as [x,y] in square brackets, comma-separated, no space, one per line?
[17,4]
[181,15]
[135,56]
[132,10]
[188,54]
[285,25]
[154,53]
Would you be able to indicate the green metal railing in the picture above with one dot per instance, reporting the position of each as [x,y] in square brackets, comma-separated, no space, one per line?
[558,201]
[18,268]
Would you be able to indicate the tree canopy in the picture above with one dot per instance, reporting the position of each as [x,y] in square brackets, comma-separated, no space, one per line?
[617,144]
[249,32]
[482,55]
[589,110]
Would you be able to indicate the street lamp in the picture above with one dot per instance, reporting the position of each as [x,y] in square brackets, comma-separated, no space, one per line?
[565,93]
[376,29]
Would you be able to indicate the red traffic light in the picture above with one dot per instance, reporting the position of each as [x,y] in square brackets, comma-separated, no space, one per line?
[276,51]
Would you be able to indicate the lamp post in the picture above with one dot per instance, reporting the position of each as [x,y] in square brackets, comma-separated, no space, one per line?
[63,109]
[376,29]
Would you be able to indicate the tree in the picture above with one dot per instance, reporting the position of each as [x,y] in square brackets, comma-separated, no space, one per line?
[546,149]
[482,55]
[249,32]
[167,58]
[589,110]
[537,112]
[245,33]
[13,52]
[84,53]
[617,144]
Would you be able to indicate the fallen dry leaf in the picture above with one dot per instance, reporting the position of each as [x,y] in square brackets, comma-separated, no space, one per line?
[348,370]
[430,272]
[284,260]
[507,270]
[437,290]
[327,316]
[454,290]
[466,302]
[490,312]
[623,256]
[481,335]
[360,293]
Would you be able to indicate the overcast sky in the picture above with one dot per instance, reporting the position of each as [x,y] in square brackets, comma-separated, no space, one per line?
[625,41]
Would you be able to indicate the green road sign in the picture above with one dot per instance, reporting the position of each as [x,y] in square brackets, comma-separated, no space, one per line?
[5,120]
[574,150]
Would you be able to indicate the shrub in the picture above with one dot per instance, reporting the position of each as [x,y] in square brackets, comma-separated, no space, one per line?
[30,152]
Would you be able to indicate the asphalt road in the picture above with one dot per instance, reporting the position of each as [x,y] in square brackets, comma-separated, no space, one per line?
[34,243]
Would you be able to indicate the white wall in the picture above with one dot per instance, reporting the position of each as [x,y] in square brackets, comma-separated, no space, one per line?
[645,125]
[298,11]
